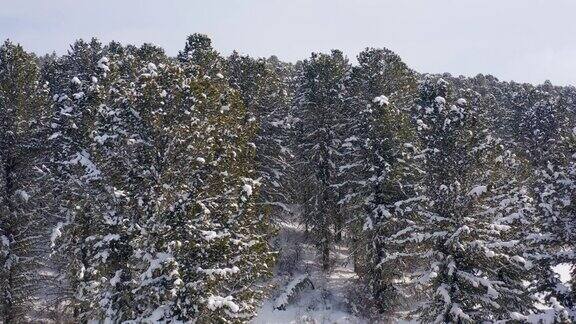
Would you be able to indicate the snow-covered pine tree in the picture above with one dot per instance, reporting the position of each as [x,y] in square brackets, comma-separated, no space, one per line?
[475,208]
[320,106]
[263,85]
[508,96]
[570,218]
[556,187]
[203,245]
[569,100]
[536,123]
[23,116]
[87,247]
[379,169]
[200,58]
[546,138]
[113,228]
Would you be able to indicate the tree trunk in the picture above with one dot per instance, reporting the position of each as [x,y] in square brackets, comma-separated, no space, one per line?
[339,225]
[325,255]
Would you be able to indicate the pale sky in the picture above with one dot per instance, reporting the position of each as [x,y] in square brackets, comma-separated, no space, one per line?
[522,40]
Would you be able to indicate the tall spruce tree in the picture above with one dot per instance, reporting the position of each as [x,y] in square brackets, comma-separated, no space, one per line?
[474,208]
[263,86]
[202,245]
[23,198]
[89,239]
[320,105]
[379,168]
[535,123]
[546,139]
[112,227]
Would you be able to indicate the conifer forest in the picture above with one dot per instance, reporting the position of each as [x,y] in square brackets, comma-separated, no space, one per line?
[138,187]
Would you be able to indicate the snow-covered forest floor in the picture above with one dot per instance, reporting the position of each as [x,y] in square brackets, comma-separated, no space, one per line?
[327,302]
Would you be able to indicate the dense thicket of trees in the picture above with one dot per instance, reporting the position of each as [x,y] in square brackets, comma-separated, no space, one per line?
[140,187]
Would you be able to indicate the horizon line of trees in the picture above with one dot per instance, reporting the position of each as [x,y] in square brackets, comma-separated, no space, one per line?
[137,187]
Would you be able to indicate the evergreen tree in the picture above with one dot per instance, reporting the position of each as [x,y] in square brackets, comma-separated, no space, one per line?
[547,140]
[535,122]
[200,59]
[88,239]
[380,169]
[23,108]
[202,244]
[112,230]
[263,85]
[320,105]
[474,208]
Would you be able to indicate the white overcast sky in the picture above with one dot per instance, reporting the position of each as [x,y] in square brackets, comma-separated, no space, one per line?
[522,40]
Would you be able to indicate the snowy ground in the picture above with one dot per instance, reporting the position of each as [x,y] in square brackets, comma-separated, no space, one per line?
[327,302]
[564,271]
